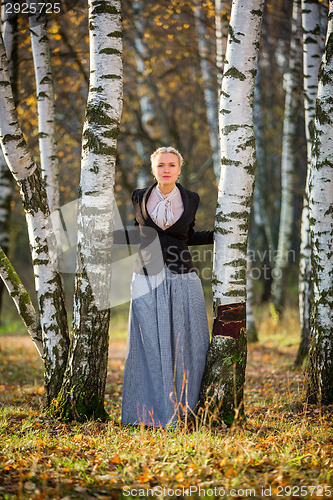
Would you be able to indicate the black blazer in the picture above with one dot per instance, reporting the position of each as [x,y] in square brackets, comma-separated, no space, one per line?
[165,246]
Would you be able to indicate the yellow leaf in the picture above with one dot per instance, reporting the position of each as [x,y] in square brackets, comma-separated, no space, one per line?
[179,476]
[116,460]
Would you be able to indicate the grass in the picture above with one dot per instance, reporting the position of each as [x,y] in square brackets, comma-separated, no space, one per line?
[285,449]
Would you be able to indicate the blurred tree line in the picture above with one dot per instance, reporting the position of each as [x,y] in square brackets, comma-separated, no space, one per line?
[164,104]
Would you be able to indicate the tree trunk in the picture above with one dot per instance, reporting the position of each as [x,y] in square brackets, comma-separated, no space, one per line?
[45,109]
[224,376]
[210,88]
[49,290]
[147,112]
[5,199]
[292,85]
[22,301]
[82,393]
[260,215]
[221,30]
[320,365]
[251,329]
[312,51]
[9,23]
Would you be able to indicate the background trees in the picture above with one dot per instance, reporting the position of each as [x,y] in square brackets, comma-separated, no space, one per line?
[75,364]
[164,102]
[170,77]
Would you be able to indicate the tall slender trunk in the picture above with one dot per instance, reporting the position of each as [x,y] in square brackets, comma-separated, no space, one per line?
[251,329]
[45,109]
[82,393]
[9,23]
[21,300]
[261,211]
[210,88]
[312,51]
[49,290]
[6,190]
[221,32]
[292,85]
[320,365]
[147,111]
[226,361]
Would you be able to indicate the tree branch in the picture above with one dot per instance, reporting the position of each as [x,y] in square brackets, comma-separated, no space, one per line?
[21,300]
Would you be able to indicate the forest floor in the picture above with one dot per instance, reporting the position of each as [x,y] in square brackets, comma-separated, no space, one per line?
[284,450]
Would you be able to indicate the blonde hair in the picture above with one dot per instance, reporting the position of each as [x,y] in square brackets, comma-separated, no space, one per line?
[167,149]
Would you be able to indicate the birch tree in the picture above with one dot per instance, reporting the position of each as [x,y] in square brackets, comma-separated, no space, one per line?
[45,109]
[320,365]
[147,111]
[75,377]
[251,329]
[53,318]
[292,85]
[221,30]
[312,51]
[8,22]
[224,376]
[82,392]
[21,300]
[210,88]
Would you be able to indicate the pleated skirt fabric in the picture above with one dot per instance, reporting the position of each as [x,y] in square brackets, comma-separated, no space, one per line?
[167,345]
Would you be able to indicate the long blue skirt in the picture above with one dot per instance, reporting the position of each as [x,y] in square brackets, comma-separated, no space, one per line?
[167,345]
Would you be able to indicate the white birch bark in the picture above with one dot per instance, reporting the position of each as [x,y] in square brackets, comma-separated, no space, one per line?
[292,81]
[8,26]
[292,88]
[251,330]
[47,280]
[5,197]
[210,90]
[6,184]
[312,51]
[226,361]
[46,110]
[82,394]
[260,212]
[21,300]
[146,104]
[221,32]
[320,366]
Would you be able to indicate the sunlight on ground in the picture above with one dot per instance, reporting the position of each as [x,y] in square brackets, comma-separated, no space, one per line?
[285,444]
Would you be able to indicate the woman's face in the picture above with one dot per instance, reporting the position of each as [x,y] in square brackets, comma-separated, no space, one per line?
[166,168]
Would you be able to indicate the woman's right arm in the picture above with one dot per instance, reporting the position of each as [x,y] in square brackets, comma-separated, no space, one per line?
[130,235]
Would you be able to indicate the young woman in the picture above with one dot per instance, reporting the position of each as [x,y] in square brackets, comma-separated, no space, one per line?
[168,331]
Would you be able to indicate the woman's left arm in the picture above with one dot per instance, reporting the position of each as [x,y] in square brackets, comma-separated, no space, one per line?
[199,237]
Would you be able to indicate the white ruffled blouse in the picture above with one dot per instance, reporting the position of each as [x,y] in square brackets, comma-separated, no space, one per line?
[165,209]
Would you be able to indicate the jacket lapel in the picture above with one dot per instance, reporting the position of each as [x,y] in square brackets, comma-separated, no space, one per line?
[144,210]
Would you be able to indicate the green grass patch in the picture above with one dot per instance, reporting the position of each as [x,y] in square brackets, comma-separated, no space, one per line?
[284,445]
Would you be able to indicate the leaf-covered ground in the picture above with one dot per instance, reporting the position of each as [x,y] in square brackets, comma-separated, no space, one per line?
[285,449]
